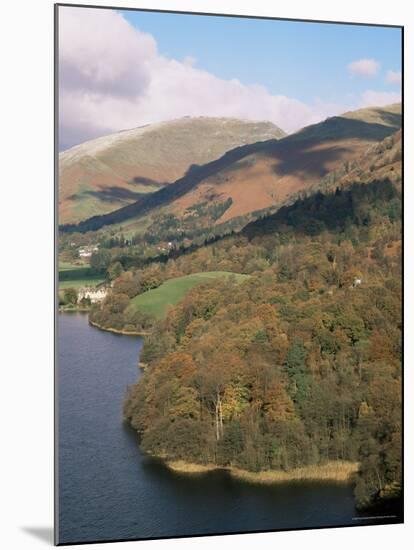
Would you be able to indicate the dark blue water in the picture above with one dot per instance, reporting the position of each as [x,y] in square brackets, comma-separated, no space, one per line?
[109,490]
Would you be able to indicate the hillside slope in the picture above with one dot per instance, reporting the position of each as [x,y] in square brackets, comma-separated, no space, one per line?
[263,174]
[328,204]
[157,301]
[109,172]
[278,169]
[300,364]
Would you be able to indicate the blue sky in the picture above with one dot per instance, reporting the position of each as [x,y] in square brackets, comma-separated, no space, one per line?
[121,69]
[307,61]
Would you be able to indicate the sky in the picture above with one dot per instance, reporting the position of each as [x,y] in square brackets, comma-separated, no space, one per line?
[122,69]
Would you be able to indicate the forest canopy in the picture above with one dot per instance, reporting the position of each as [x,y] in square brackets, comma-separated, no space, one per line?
[298,365]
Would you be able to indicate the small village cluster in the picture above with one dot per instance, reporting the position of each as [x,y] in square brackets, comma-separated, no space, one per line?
[87,251]
[94,294]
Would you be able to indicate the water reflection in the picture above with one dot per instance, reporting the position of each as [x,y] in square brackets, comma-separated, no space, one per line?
[110,490]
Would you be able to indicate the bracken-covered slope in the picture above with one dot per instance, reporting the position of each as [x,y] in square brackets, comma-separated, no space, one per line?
[264,174]
[278,169]
[379,167]
[107,173]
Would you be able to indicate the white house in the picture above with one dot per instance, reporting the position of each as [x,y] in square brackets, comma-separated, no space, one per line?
[94,294]
[87,251]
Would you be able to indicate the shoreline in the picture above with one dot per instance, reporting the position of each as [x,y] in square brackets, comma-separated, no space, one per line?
[337,471]
[75,309]
[118,331]
[142,365]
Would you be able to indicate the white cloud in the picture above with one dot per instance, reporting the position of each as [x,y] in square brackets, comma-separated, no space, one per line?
[189,60]
[112,77]
[367,68]
[393,77]
[371,98]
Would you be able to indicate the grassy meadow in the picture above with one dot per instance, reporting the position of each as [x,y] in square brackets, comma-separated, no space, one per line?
[156,302]
[78,283]
[72,275]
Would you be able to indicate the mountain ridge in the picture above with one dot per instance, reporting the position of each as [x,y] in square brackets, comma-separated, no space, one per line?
[106,173]
[263,174]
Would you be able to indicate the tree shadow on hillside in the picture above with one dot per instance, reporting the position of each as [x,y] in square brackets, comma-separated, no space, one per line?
[393,119]
[297,154]
[194,175]
[339,127]
[297,145]
[140,180]
[333,211]
[315,163]
[115,194]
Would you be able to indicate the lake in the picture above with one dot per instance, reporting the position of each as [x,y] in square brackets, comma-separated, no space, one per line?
[109,489]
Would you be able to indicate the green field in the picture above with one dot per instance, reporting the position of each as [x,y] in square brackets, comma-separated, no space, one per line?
[77,283]
[156,302]
[77,275]
[69,266]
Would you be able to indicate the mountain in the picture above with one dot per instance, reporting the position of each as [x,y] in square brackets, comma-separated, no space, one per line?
[376,175]
[107,173]
[269,175]
[298,364]
[257,176]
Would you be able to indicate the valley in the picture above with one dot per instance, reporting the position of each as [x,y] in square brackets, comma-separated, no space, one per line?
[229,221]
[267,283]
